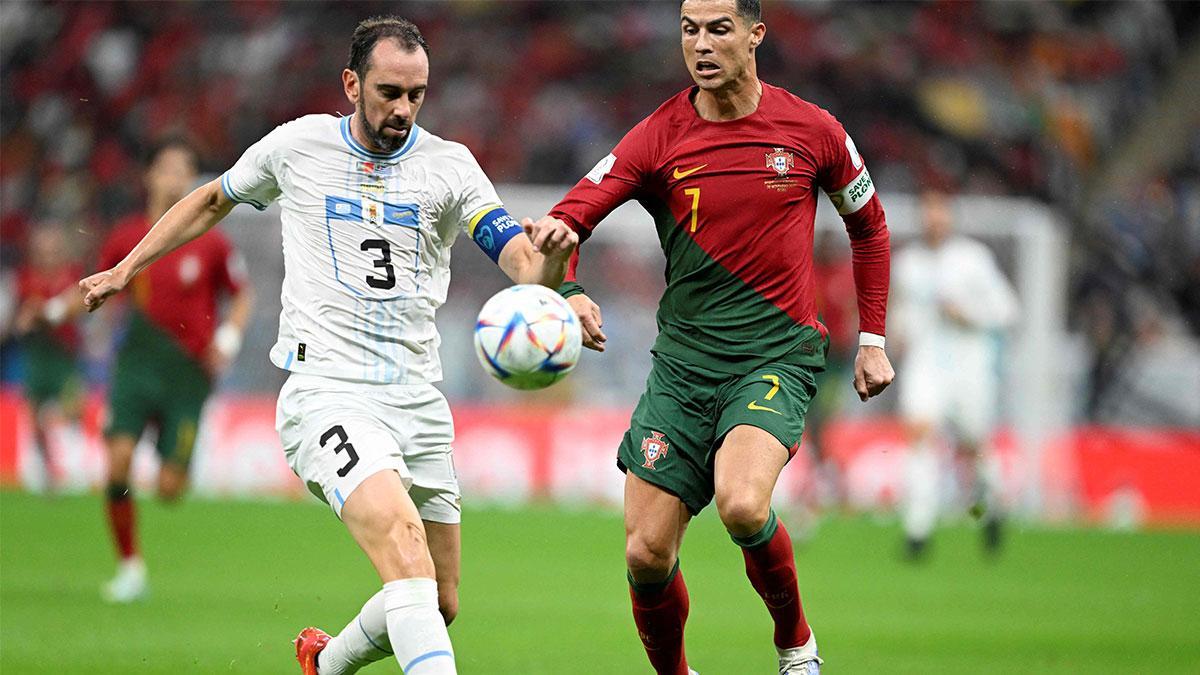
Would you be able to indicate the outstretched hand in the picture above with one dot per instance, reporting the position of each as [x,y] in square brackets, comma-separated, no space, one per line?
[550,236]
[589,318]
[100,286]
[872,372]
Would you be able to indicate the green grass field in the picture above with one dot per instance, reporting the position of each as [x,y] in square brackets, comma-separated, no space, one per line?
[544,592]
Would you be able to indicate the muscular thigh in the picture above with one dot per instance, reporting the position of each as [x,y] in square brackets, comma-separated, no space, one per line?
[654,518]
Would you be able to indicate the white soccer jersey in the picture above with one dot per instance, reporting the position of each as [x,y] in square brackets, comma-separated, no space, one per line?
[949,365]
[366,243]
[961,273]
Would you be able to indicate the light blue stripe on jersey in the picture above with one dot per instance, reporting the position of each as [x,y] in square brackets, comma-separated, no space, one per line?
[287,365]
[404,215]
[358,148]
[341,208]
[228,190]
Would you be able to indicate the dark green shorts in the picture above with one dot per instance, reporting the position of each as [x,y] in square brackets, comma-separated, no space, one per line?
[157,384]
[686,411]
[51,371]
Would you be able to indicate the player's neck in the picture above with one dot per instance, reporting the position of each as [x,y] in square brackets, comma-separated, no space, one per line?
[736,101]
[359,135]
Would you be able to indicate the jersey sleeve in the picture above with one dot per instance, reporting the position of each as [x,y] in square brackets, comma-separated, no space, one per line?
[253,179]
[613,181]
[476,208]
[843,176]
[993,302]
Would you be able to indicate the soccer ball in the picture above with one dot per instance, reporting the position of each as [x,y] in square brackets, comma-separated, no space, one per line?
[528,337]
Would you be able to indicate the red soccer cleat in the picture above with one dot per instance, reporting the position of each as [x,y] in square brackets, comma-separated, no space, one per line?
[309,643]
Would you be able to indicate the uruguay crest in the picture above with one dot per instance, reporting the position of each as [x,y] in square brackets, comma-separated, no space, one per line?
[781,161]
[654,447]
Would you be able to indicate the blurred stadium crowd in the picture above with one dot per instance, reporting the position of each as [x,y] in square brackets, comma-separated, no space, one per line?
[1004,98]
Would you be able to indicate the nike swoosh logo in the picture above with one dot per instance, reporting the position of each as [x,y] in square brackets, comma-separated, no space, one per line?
[753,405]
[679,175]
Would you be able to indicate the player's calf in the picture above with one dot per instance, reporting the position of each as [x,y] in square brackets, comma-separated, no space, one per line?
[172,483]
[384,521]
[771,568]
[448,603]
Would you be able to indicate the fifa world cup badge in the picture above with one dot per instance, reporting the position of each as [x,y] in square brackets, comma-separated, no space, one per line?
[654,447]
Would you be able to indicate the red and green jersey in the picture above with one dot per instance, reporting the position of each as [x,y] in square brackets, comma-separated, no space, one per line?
[38,285]
[179,293]
[733,203]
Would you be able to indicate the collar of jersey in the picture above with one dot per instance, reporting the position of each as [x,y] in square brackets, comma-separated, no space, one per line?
[360,150]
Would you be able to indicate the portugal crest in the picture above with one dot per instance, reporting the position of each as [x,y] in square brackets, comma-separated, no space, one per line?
[654,447]
[781,161]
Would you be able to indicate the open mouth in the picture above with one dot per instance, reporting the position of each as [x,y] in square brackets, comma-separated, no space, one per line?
[707,68]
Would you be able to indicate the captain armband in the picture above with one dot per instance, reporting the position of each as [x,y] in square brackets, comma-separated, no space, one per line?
[855,195]
[491,228]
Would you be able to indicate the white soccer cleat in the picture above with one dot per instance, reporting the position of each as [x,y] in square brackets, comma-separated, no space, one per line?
[802,660]
[129,585]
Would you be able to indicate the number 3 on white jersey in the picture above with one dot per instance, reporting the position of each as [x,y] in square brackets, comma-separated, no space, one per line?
[375,246]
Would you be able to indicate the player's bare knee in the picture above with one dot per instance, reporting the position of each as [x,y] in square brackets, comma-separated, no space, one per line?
[407,541]
[648,560]
[743,514]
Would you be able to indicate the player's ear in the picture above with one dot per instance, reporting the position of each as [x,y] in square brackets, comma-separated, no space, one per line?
[350,85]
[757,32]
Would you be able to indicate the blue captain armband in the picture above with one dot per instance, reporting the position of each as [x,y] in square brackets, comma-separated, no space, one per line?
[492,228]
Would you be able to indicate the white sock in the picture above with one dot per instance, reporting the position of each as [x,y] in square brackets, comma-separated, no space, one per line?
[416,628]
[922,475]
[363,641]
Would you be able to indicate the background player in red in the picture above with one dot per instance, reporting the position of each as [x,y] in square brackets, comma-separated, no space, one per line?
[730,170]
[172,351]
[50,344]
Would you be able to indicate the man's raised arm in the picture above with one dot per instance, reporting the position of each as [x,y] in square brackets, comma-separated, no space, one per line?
[191,217]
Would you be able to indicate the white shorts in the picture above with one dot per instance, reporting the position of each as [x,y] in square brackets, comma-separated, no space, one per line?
[337,433]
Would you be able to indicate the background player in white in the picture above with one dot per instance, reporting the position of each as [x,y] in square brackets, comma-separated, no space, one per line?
[370,207]
[950,300]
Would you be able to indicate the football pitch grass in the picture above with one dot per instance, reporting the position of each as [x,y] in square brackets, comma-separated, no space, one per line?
[544,592]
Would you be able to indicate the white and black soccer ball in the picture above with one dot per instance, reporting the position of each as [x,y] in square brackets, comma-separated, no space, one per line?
[528,337]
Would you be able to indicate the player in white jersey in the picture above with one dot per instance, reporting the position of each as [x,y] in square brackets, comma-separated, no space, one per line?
[950,300]
[370,205]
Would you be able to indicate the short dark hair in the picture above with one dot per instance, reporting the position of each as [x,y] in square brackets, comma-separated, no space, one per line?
[750,10]
[370,31]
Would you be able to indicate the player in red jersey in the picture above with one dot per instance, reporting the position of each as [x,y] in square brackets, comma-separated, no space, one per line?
[52,382]
[172,351]
[730,170]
